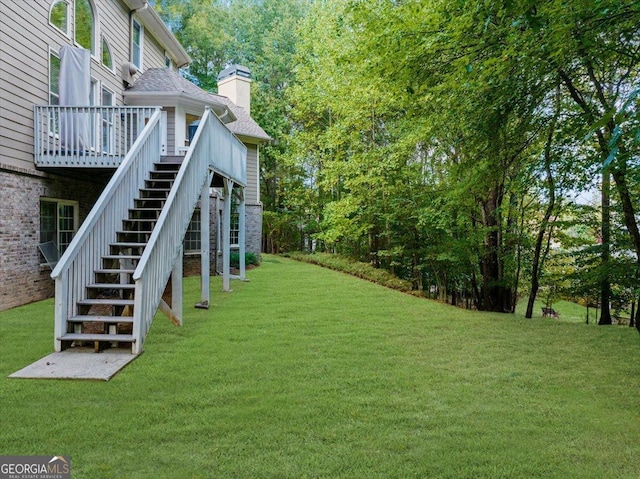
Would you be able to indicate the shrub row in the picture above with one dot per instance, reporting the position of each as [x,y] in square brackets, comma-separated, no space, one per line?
[355,268]
[249,259]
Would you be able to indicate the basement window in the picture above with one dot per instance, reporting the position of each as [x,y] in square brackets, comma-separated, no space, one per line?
[192,239]
[58,224]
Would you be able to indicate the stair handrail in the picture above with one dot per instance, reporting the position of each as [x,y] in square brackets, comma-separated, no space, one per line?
[213,145]
[84,254]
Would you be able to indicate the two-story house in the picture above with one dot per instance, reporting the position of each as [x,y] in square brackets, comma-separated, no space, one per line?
[107,158]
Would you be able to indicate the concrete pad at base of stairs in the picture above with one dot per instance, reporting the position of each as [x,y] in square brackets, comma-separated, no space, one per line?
[78,363]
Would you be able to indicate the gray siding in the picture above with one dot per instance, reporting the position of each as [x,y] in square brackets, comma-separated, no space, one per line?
[153,52]
[25,40]
[24,76]
[251,193]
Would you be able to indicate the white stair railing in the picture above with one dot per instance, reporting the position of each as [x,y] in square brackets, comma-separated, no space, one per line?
[215,148]
[76,268]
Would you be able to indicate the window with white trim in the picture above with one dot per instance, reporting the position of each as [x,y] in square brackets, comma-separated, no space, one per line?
[107,59]
[58,222]
[54,78]
[235,222]
[168,62]
[137,40]
[192,239]
[85,25]
[59,16]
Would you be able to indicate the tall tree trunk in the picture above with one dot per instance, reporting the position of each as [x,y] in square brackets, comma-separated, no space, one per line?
[537,261]
[605,285]
[494,294]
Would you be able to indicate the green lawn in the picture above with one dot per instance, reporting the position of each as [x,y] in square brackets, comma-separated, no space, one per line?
[305,372]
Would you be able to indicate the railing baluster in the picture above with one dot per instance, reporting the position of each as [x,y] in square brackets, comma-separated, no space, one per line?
[89,137]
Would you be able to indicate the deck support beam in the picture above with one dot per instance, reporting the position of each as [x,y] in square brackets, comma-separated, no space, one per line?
[205,244]
[241,233]
[226,235]
[174,312]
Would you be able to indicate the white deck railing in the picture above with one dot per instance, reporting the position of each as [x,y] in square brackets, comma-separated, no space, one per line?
[86,137]
[215,148]
[75,269]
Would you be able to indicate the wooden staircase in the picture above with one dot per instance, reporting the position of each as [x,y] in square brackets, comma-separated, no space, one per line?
[105,315]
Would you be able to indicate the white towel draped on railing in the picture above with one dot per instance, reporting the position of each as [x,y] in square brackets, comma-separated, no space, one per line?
[74,88]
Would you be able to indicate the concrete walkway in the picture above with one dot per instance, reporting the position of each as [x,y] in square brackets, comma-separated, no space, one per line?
[78,363]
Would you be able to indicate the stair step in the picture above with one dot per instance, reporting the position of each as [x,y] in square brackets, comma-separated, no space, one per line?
[135,232]
[155,190]
[163,175]
[145,202]
[108,302]
[111,286]
[169,160]
[154,211]
[100,319]
[127,244]
[139,220]
[122,256]
[163,181]
[114,271]
[124,338]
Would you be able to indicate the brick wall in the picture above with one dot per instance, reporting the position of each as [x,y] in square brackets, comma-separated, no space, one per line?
[22,278]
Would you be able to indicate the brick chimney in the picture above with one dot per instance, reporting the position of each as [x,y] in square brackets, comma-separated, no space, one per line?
[234,82]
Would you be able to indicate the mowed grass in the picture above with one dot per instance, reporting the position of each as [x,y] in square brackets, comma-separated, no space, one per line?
[306,372]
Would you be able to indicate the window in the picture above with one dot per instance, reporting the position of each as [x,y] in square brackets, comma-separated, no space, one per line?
[54,90]
[85,25]
[192,239]
[235,222]
[58,222]
[107,61]
[59,16]
[168,62]
[54,77]
[107,121]
[137,38]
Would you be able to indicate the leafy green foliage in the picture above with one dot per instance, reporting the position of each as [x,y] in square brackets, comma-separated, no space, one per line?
[355,268]
[250,259]
[438,140]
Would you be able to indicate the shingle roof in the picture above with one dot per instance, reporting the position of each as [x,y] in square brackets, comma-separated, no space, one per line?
[244,125]
[165,80]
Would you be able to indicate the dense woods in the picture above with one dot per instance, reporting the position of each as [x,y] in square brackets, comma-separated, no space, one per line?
[484,151]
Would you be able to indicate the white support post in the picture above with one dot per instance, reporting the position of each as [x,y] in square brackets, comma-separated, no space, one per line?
[61,312]
[241,233]
[205,244]
[218,232]
[226,236]
[176,287]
